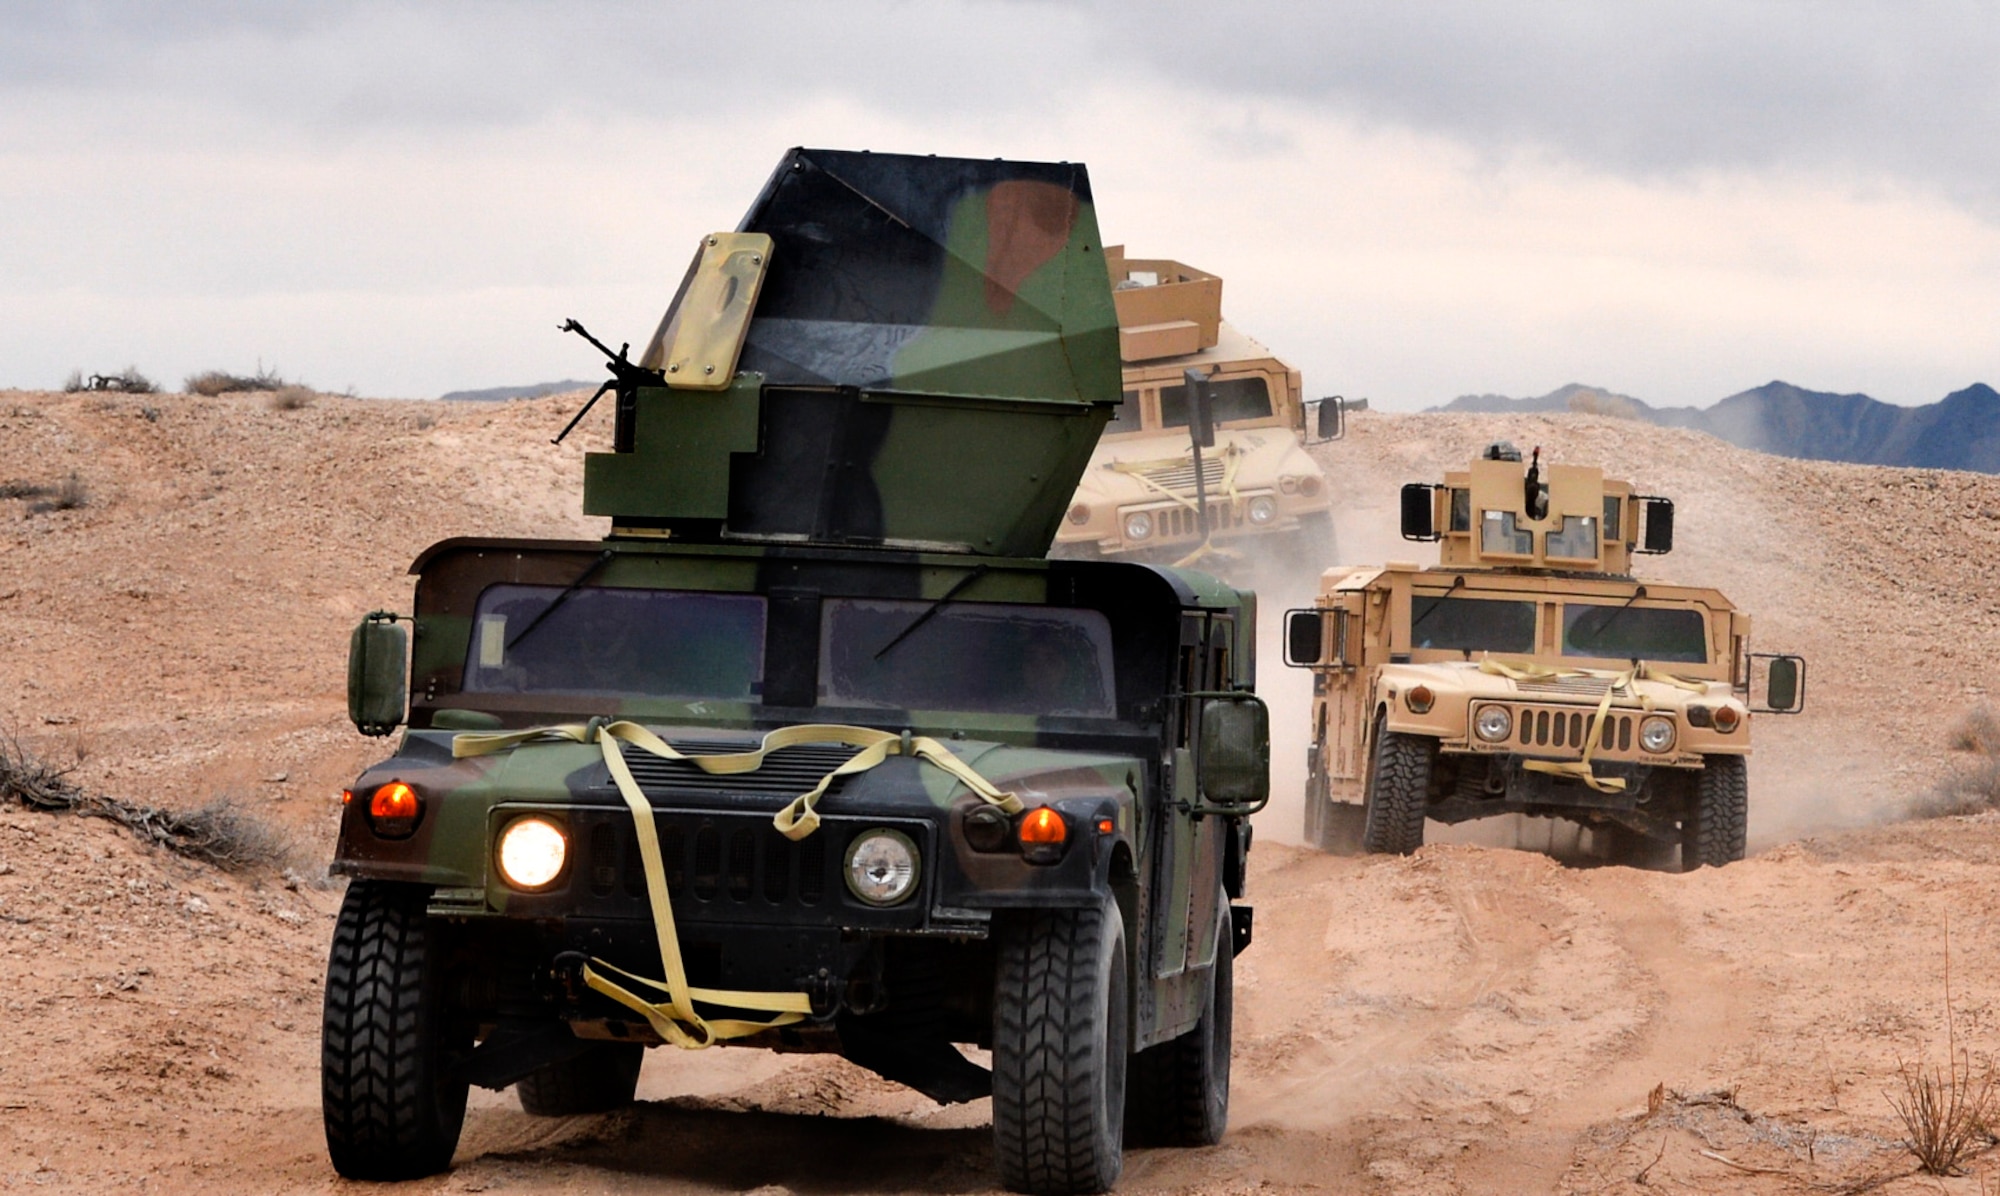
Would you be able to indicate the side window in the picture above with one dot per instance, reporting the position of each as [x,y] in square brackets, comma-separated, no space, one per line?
[1128,417]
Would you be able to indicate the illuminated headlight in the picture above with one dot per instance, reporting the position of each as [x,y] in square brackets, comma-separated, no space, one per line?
[1656,734]
[1262,511]
[1138,525]
[882,867]
[1494,724]
[532,853]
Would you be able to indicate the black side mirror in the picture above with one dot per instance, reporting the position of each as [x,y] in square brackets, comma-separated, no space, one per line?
[1234,768]
[1659,524]
[1419,511]
[1784,684]
[1326,419]
[377,698]
[1201,408]
[1305,633]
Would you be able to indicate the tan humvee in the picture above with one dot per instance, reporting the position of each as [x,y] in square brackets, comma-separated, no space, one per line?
[1529,673]
[1139,498]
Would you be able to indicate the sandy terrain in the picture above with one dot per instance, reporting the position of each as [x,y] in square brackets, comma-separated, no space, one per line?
[1470,1019]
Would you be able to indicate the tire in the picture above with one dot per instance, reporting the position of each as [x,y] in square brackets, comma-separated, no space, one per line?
[1399,782]
[601,1079]
[1179,1089]
[1060,1037]
[388,1046]
[1716,825]
[1315,540]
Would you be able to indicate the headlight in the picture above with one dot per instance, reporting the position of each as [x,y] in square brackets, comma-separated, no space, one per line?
[1138,525]
[1494,724]
[532,852]
[882,867]
[1262,511]
[1656,734]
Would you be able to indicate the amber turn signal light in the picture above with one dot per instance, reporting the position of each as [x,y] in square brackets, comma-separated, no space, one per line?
[1726,719]
[1043,828]
[1420,699]
[394,810]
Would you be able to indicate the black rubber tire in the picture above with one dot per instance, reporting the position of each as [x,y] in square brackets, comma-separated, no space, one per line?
[1399,783]
[1060,1043]
[387,1044]
[603,1078]
[1178,1094]
[1716,826]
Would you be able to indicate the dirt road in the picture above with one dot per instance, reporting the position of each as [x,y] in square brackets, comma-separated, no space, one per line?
[1470,1019]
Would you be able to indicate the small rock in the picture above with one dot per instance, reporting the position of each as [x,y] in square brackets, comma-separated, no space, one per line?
[195,905]
[278,778]
[5,867]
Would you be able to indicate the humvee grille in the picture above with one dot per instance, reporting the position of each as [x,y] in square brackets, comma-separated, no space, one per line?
[1566,727]
[1183,523]
[1585,686]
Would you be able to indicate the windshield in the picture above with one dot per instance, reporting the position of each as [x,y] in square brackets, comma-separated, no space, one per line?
[639,643]
[1635,633]
[1234,398]
[1472,624]
[974,656]
[1128,417]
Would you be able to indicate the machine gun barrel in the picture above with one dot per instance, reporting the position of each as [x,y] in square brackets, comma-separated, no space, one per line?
[624,375]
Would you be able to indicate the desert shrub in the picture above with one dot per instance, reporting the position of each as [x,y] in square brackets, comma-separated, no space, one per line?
[73,383]
[291,398]
[1972,779]
[18,489]
[1944,1111]
[221,833]
[210,383]
[66,495]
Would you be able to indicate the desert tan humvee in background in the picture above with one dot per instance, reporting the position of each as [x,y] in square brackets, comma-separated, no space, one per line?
[1139,498]
[1529,673]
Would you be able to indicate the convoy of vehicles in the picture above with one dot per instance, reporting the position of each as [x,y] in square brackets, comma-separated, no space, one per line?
[1529,673]
[1142,497]
[816,750]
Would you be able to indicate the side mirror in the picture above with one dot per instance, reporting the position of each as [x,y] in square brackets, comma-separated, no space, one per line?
[1305,634]
[377,697]
[1784,684]
[1419,511]
[1234,766]
[1326,419]
[1659,525]
[1201,408]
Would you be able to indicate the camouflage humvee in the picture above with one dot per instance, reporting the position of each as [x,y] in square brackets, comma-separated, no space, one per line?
[816,751]
[1142,497]
[1529,673]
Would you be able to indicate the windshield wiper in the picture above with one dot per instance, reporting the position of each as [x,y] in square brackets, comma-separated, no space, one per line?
[1597,635]
[589,572]
[1436,603]
[956,589]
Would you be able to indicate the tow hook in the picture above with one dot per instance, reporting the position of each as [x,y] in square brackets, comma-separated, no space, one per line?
[567,972]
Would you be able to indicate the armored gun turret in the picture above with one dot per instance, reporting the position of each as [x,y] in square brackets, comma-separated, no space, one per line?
[1529,672]
[817,750]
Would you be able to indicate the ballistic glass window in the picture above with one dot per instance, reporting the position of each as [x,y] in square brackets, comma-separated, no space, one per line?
[1472,624]
[1575,540]
[627,642]
[1613,505]
[1461,509]
[986,657]
[1127,418]
[1618,632]
[1498,533]
[1234,399]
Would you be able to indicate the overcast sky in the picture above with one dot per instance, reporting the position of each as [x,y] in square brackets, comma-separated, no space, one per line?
[1409,201]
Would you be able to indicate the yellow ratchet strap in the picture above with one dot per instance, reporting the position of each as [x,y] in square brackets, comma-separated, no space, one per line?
[675,1019]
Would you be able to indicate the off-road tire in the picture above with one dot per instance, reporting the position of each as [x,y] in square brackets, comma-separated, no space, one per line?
[1714,830]
[603,1078]
[1060,1042]
[1178,1091]
[387,1044]
[1399,783]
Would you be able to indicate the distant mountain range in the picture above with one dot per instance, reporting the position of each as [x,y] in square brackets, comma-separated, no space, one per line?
[494,394]
[1960,431]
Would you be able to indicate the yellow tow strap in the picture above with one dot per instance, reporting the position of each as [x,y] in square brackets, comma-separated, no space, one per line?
[675,1019]
[1580,768]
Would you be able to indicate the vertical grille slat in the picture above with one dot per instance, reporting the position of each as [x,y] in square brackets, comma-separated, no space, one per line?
[778,852]
[742,863]
[707,863]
